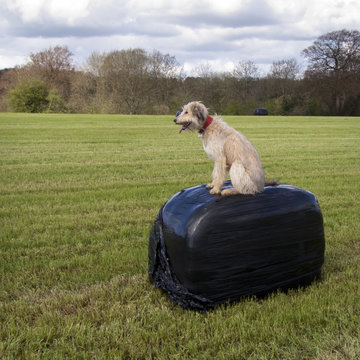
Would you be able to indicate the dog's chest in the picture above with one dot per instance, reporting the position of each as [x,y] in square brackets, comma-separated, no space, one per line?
[211,148]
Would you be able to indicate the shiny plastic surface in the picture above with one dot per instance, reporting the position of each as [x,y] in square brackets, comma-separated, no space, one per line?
[205,251]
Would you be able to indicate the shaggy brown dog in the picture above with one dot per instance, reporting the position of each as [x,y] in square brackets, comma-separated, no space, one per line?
[229,149]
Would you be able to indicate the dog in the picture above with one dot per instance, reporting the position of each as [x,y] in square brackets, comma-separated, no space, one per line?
[229,149]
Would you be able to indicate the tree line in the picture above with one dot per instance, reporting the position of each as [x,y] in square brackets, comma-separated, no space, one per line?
[134,81]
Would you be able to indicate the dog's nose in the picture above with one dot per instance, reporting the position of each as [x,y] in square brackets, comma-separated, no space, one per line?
[177,114]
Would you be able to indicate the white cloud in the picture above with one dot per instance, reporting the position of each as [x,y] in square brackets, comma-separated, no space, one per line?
[37,10]
[219,32]
[226,6]
[28,10]
[68,9]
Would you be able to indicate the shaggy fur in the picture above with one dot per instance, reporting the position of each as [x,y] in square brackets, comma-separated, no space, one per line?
[229,149]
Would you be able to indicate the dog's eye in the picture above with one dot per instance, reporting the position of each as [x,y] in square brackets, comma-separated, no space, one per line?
[186,112]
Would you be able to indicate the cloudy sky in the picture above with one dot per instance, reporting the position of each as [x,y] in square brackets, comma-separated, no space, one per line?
[217,32]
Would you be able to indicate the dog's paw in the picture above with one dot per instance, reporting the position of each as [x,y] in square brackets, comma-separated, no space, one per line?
[215,191]
[209,185]
[228,192]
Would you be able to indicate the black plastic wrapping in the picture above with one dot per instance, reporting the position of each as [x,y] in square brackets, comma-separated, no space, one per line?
[205,251]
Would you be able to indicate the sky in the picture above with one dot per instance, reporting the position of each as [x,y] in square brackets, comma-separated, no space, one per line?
[218,33]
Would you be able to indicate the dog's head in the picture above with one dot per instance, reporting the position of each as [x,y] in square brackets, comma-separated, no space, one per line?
[192,116]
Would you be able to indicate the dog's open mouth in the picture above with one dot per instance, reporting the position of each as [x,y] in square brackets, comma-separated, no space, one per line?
[184,127]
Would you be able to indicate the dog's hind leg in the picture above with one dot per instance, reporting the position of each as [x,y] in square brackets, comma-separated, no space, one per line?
[218,177]
[241,181]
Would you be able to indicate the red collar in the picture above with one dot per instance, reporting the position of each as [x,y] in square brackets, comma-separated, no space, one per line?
[207,123]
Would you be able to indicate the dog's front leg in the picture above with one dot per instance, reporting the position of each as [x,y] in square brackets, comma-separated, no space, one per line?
[218,177]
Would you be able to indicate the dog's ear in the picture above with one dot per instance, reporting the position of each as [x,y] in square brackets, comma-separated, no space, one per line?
[199,110]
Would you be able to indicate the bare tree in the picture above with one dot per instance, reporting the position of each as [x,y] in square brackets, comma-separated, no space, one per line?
[53,66]
[333,73]
[245,75]
[94,63]
[335,52]
[287,69]
[164,72]
[282,76]
[125,80]
[136,81]
[53,60]
[200,82]
[246,70]
[203,70]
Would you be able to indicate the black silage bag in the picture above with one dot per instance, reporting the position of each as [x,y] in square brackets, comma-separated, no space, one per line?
[205,251]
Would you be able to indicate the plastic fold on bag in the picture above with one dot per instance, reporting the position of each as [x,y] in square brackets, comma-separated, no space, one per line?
[205,251]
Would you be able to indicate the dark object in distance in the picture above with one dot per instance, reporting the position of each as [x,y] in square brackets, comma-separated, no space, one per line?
[261,111]
[205,251]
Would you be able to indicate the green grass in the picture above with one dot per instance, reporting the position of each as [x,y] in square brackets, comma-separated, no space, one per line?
[78,195]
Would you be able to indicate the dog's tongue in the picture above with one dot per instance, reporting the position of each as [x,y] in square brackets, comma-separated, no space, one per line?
[184,127]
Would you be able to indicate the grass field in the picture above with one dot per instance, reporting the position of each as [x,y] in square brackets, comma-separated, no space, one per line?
[78,195]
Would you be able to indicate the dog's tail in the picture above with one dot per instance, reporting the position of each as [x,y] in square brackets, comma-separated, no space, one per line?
[272,182]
